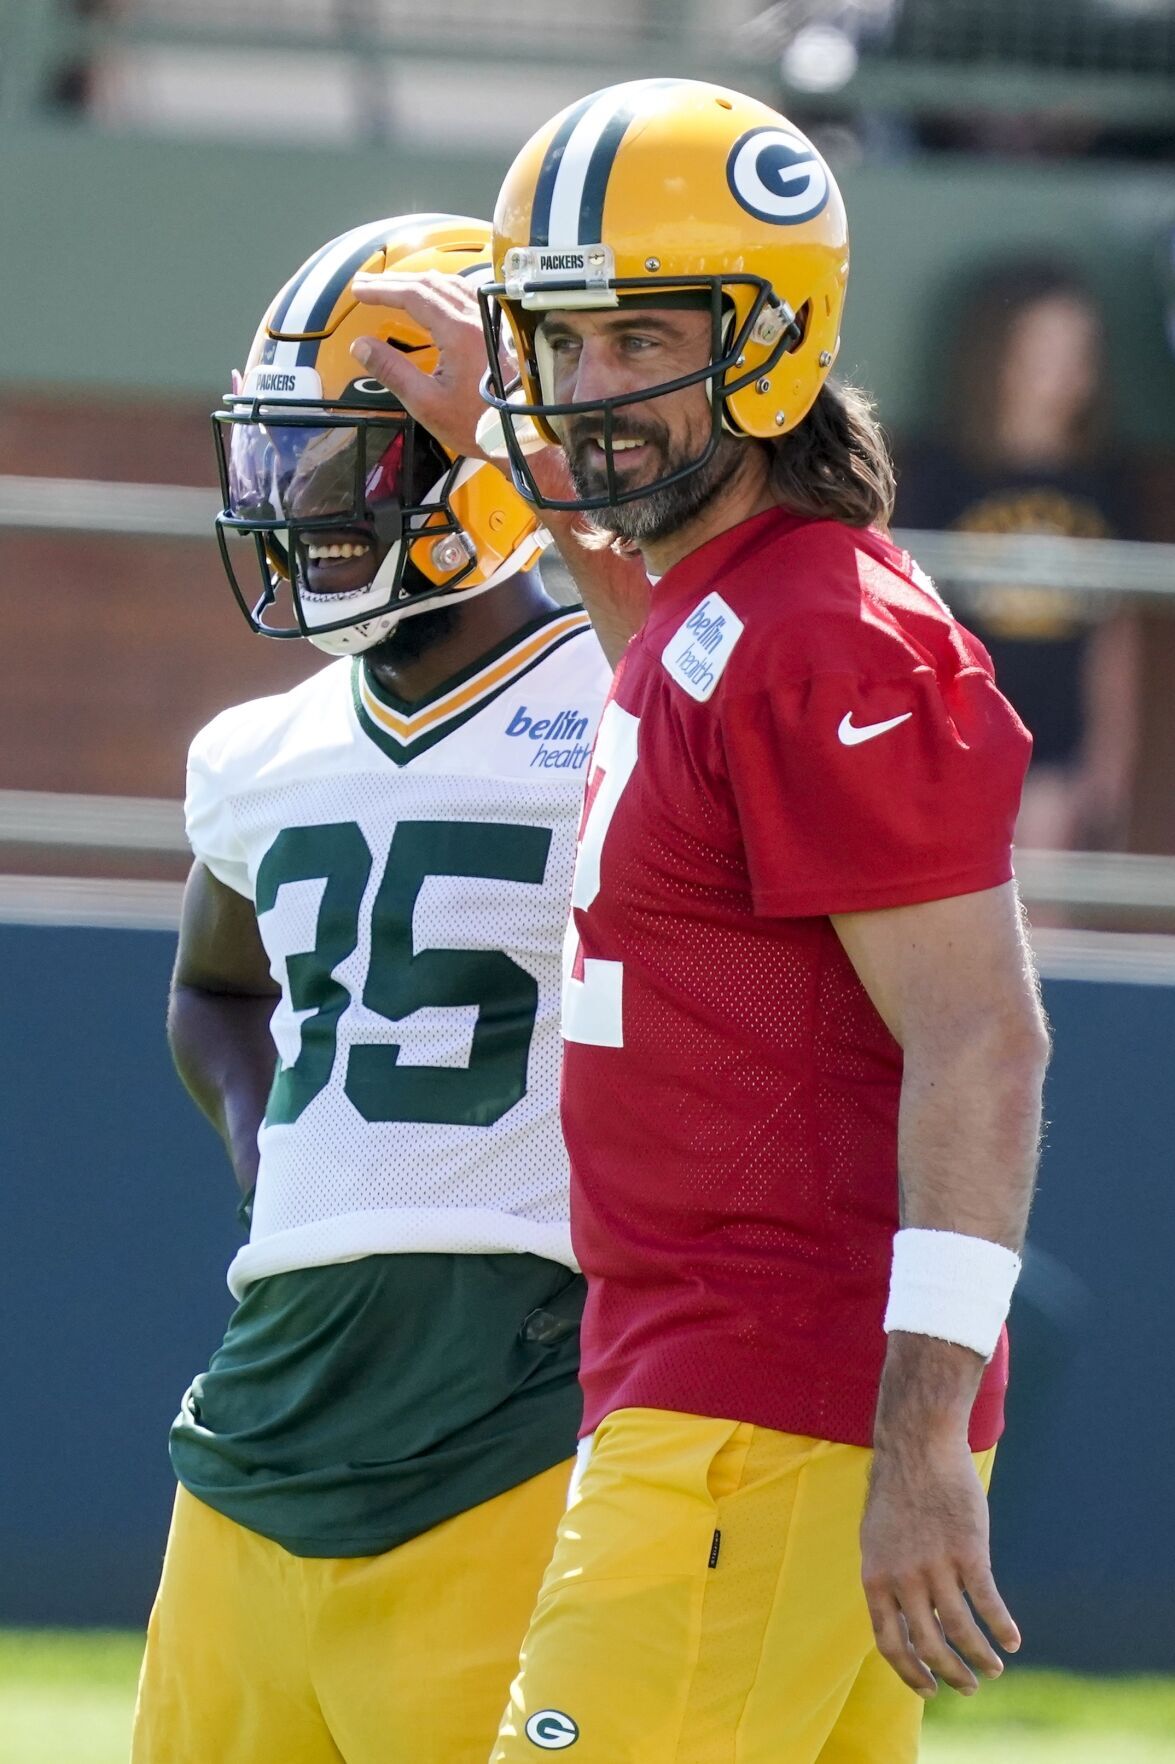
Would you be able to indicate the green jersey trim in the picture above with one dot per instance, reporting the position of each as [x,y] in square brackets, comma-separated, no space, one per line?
[403,731]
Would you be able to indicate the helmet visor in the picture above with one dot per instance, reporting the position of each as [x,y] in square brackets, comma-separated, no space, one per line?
[333,507]
[287,472]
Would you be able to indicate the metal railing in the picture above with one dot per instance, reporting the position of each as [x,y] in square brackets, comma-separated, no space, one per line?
[91,822]
[98,902]
[1112,569]
[80,505]
[1076,879]
[1098,883]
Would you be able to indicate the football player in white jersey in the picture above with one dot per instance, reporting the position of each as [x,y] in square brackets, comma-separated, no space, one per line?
[365,1004]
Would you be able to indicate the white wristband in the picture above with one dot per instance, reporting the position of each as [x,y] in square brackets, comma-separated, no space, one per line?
[953,1287]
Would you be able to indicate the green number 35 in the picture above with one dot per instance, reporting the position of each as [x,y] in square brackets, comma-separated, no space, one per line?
[400,981]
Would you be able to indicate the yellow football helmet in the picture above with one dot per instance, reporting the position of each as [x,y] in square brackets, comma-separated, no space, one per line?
[669,192]
[358,517]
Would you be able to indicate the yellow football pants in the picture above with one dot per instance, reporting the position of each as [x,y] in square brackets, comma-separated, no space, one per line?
[255,1656]
[704,1606]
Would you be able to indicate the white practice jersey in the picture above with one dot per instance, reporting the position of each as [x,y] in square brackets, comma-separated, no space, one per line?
[411,872]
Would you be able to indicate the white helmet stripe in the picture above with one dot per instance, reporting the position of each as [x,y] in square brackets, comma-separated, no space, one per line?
[324,273]
[326,269]
[567,195]
[581,182]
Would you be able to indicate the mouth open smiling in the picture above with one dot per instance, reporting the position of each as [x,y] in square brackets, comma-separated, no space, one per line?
[338,563]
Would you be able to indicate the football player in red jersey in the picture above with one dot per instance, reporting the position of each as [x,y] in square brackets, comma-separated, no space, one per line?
[804,1043]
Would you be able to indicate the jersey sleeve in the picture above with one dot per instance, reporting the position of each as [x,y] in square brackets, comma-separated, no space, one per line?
[209,821]
[857,791]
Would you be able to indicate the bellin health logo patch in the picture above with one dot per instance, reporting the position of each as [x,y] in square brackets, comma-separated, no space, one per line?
[697,653]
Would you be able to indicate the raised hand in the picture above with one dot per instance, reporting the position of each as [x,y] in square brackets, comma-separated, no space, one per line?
[446,402]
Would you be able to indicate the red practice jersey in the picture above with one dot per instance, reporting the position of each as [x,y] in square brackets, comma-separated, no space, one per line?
[800,729]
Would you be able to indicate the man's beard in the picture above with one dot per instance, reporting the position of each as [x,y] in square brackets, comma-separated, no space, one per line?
[666,510]
[411,638]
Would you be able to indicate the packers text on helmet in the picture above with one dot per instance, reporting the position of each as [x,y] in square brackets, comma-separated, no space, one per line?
[357,517]
[668,192]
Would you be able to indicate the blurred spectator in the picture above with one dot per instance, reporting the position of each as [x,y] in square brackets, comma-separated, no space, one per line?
[1022,447]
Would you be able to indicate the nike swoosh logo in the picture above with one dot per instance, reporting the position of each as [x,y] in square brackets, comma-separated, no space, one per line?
[852,736]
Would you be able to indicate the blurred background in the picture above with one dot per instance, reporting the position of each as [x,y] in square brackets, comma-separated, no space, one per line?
[1009,170]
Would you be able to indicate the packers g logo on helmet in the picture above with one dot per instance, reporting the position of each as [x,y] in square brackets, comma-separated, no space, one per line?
[357,516]
[777,175]
[675,189]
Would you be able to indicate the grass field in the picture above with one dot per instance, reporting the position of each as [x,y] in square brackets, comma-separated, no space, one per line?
[66,1699]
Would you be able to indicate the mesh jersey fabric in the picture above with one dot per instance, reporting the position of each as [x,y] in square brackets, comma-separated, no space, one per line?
[412,902]
[800,729]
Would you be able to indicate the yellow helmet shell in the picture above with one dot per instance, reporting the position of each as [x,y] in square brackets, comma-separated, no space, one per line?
[673,179]
[301,354]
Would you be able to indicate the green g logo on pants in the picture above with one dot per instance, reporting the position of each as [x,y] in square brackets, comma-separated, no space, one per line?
[552,1730]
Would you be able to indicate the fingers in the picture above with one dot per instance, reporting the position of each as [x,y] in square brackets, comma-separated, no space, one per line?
[923,1644]
[980,1587]
[924,1634]
[943,1634]
[960,1629]
[448,401]
[398,373]
[434,300]
[933,1649]
[448,408]
[893,1644]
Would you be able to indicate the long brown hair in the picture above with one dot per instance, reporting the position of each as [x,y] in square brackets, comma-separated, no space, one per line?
[836,465]
[994,303]
[833,466]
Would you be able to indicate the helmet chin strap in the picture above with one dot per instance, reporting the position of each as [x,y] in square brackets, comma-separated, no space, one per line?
[369,629]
